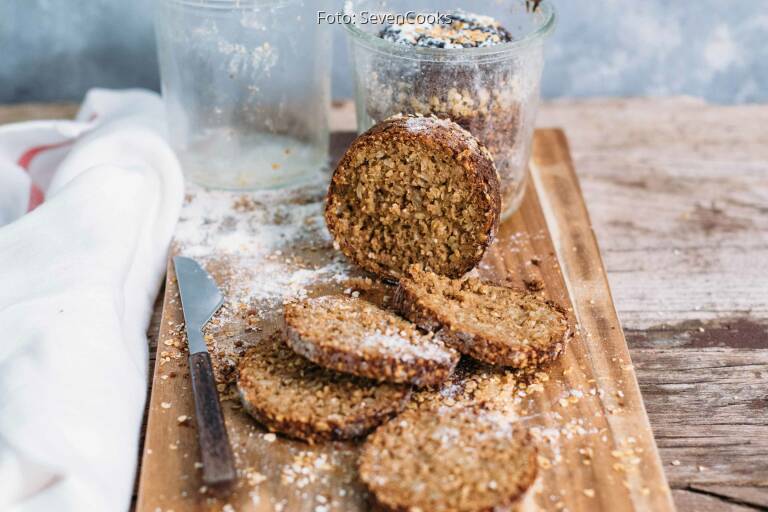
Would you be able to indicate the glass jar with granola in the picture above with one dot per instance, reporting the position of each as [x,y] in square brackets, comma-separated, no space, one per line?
[482,69]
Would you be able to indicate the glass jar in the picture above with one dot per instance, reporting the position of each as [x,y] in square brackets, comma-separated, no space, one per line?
[246,85]
[491,91]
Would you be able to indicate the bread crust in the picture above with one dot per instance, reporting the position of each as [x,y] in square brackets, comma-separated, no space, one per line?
[496,352]
[290,395]
[484,346]
[445,137]
[429,363]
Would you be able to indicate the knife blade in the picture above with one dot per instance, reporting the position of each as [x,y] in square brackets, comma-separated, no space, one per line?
[200,299]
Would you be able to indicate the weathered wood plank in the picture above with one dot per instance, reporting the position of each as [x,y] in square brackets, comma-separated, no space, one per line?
[752,496]
[724,332]
[678,194]
[699,502]
[698,400]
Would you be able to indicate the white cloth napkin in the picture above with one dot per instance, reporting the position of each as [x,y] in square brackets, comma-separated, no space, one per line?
[78,278]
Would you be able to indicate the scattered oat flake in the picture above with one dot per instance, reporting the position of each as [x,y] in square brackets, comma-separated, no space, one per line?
[166,405]
[254,477]
[589,493]
[270,437]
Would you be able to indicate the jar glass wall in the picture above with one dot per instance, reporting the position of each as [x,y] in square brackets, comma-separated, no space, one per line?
[246,85]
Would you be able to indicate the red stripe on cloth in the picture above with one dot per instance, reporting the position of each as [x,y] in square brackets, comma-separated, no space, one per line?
[36,198]
[36,195]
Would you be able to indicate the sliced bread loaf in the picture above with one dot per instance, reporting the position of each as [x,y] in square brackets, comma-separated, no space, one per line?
[414,190]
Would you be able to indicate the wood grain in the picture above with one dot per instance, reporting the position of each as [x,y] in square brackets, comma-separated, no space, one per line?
[678,191]
[597,449]
[678,194]
[730,385]
[702,502]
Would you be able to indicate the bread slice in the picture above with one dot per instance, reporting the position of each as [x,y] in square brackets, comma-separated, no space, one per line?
[449,460]
[292,396]
[494,324]
[352,335]
[414,190]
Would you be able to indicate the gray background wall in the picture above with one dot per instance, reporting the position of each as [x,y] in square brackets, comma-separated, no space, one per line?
[716,49]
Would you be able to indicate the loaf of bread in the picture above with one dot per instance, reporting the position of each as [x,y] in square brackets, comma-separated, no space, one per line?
[414,190]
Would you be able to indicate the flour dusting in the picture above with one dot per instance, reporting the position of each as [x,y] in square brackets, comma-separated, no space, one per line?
[392,342]
[263,248]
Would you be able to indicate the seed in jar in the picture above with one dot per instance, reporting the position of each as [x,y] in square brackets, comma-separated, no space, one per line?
[460,29]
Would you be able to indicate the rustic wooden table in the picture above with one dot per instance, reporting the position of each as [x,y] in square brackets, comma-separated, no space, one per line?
[678,194]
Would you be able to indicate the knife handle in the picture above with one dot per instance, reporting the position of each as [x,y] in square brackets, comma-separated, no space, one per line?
[218,462]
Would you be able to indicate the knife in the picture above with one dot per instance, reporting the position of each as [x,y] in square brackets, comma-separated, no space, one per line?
[200,299]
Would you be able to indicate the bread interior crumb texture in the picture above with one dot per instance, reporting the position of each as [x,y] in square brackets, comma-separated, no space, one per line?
[410,203]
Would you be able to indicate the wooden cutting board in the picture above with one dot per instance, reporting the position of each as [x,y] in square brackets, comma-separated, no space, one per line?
[597,451]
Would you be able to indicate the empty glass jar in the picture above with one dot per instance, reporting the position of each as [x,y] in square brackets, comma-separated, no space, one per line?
[246,85]
[491,91]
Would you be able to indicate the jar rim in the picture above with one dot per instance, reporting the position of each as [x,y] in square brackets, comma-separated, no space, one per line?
[375,42]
